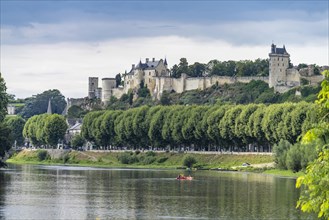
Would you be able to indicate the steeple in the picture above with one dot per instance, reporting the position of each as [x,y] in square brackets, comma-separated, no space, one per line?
[49,108]
[165,62]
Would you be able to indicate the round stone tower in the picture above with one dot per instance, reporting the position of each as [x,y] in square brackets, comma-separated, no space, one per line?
[108,84]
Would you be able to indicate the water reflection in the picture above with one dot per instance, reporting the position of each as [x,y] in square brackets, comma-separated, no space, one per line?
[44,192]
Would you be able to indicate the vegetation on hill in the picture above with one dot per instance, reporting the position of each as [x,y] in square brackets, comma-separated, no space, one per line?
[237,93]
[258,67]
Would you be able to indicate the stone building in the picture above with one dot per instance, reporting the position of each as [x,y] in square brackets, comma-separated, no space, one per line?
[156,76]
[282,77]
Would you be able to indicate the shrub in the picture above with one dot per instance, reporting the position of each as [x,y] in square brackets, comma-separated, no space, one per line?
[149,160]
[65,158]
[42,155]
[137,152]
[162,159]
[293,159]
[189,161]
[150,153]
[280,153]
[127,158]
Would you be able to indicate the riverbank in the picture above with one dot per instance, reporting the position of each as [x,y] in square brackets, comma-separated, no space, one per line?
[150,159]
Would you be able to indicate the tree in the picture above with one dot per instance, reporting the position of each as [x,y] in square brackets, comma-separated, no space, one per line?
[75,112]
[314,195]
[3,99]
[38,104]
[189,161]
[5,133]
[77,141]
[16,124]
[5,140]
[118,80]
[55,129]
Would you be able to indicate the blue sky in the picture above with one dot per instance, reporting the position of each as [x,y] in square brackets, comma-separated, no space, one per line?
[59,44]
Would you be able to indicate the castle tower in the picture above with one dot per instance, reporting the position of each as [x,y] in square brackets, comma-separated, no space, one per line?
[108,84]
[279,63]
[92,87]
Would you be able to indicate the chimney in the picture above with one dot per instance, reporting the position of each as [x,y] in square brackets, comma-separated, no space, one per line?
[147,60]
[133,66]
[153,59]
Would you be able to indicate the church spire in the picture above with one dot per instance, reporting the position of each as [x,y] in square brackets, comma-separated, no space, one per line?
[49,107]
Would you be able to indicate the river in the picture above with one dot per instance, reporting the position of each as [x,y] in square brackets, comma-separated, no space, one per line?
[66,192]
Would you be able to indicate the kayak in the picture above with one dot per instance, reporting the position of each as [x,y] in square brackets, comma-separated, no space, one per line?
[184,178]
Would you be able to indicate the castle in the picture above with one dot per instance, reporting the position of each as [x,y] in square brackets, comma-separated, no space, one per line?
[156,76]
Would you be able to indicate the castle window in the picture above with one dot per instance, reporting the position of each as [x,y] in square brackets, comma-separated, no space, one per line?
[280,70]
[149,80]
[278,58]
[278,64]
[283,64]
[282,58]
[149,73]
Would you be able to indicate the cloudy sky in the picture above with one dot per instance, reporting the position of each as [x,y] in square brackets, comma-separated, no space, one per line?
[59,44]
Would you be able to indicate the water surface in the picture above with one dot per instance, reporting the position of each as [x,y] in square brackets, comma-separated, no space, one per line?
[64,192]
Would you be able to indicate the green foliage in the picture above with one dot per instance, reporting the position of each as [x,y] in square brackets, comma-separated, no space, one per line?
[189,161]
[128,158]
[3,99]
[143,91]
[77,141]
[293,159]
[314,195]
[162,159]
[42,155]
[118,80]
[150,154]
[38,104]
[16,124]
[5,139]
[45,129]
[280,151]
[75,112]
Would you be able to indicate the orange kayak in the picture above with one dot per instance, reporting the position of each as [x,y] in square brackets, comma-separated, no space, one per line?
[184,178]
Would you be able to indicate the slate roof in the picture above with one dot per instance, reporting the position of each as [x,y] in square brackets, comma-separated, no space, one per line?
[280,50]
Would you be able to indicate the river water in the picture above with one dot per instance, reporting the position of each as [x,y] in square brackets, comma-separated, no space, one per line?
[64,192]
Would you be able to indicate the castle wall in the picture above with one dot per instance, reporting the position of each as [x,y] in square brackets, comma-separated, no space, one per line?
[118,92]
[315,79]
[193,83]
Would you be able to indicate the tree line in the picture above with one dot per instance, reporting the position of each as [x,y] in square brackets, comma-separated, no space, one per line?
[259,67]
[45,129]
[218,127]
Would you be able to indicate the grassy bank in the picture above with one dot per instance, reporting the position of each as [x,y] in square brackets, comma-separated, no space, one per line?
[137,159]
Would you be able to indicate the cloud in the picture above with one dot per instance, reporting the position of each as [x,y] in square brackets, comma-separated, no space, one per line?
[33,68]
[289,30]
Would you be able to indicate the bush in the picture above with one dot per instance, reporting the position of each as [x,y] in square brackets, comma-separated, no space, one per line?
[293,159]
[66,158]
[149,160]
[280,153]
[42,155]
[150,154]
[162,159]
[189,161]
[127,158]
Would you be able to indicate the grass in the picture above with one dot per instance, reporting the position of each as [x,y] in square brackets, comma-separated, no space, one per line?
[142,160]
[170,160]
